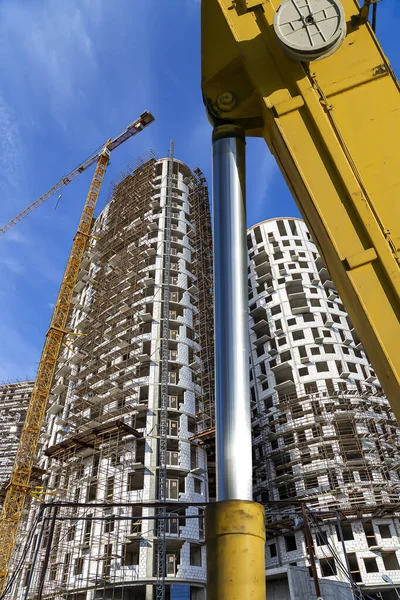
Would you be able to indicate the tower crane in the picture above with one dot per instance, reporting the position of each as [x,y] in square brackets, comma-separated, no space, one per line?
[19,484]
[310,77]
[145,119]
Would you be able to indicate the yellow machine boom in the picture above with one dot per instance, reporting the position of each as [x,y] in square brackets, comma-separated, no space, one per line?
[310,78]
[19,485]
[333,126]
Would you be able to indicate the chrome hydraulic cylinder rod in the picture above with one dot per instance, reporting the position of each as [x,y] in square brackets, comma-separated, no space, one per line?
[233,424]
[235,533]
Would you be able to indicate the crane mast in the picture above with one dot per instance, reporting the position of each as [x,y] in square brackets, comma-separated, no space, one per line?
[312,80]
[19,485]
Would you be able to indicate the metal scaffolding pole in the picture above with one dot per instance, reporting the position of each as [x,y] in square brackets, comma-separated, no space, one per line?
[311,552]
[163,408]
[235,533]
[47,554]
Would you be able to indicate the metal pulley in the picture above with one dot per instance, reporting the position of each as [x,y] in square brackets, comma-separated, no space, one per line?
[310,29]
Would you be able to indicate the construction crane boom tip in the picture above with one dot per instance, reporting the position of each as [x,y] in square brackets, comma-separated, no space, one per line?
[145,119]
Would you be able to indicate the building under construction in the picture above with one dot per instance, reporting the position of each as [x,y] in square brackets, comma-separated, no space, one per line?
[134,384]
[14,400]
[132,402]
[323,431]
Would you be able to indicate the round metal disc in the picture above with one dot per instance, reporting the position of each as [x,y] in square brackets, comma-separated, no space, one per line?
[310,29]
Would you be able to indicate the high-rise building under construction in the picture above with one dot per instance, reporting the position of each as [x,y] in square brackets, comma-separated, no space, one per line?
[134,384]
[323,431]
[134,390]
[14,400]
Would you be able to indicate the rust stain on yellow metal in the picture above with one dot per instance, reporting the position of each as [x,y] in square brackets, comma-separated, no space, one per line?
[235,537]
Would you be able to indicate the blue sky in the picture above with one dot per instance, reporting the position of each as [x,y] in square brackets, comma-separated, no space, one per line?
[73,73]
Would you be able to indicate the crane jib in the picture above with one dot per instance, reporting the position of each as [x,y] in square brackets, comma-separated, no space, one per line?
[144,120]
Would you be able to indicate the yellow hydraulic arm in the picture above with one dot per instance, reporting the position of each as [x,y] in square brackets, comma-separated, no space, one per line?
[333,125]
[19,485]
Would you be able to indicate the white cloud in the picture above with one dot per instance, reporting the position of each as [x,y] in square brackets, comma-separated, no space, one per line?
[57,41]
[197,148]
[11,264]
[15,236]
[54,42]
[18,358]
[10,147]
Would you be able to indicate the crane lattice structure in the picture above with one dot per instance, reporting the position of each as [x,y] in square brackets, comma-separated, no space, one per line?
[19,485]
[145,119]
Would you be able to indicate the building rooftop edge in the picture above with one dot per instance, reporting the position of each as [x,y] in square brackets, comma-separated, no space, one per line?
[4,384]
[274,219]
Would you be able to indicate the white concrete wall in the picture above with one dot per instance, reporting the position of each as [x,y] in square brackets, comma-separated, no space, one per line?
[304,454]
[58,425]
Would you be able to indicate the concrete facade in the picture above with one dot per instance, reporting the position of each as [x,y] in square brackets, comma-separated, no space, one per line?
[323,430]
[14,400]
[101,443]
[295,583]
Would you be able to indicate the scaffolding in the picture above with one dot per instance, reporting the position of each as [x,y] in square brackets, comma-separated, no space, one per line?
[14,401]
[335,449]
[116,446]
[163,411]
[203,270]
[56,561]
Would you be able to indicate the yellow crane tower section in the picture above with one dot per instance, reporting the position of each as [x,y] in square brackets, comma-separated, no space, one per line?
[19,485]
[311,78]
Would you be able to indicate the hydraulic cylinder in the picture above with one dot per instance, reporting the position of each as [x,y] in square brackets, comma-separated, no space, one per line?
[235,534]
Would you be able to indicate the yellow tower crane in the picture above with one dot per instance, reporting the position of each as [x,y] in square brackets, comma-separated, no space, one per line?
[19,485]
